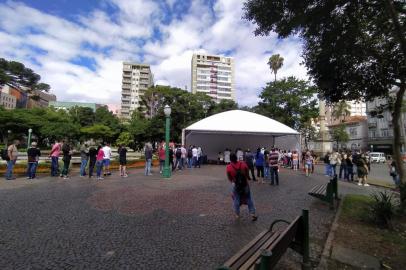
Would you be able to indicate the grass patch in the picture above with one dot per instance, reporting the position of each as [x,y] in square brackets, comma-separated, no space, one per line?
[356,231]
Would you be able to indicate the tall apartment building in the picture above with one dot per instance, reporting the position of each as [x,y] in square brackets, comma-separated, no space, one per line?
[137,78]
[213,75]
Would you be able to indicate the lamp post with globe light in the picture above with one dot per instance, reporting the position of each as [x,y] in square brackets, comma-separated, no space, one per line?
[167,171]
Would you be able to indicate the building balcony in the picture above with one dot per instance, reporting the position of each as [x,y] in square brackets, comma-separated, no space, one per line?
[372,125]
[126,75]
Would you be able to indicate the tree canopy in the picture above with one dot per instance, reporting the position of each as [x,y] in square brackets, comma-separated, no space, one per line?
[353,50]
[275,63]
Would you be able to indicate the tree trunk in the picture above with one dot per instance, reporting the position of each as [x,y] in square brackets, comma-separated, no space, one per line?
[397,142]
[275,76]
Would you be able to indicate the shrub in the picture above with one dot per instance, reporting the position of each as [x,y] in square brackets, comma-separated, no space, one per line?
[382,209]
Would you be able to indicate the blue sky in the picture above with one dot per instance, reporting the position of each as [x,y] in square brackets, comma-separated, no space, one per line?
[78,46]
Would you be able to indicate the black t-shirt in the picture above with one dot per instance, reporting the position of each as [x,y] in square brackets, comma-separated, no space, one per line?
[33,153]
[92,153]
[123,153]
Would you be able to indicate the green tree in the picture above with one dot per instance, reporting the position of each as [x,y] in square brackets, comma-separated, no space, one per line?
[223,106]
[308,132]
[16,73]
[290,101]
[340,135]
[353,50]
[125,139]
[341,110]
[106,118]
[83,116]
[275,63]
[98,132]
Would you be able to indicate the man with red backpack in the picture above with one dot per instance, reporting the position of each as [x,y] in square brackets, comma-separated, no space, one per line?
[237,173]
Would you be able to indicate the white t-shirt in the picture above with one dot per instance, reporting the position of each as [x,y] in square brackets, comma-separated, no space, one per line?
[107,152]
[194,152]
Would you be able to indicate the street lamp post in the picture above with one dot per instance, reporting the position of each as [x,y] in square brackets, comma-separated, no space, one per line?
[167,171]
[29,137]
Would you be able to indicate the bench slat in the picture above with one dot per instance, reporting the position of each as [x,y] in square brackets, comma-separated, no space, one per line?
[250,263]
[246,251]
[315,189]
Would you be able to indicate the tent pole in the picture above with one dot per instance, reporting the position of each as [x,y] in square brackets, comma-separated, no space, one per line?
[183,137]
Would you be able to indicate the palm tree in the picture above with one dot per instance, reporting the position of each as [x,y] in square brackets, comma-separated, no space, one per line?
[341,109]
[275,63]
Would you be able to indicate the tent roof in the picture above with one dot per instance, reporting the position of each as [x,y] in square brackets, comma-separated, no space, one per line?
[237,121]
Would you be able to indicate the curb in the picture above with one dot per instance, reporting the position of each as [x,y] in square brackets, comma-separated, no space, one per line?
[325,255]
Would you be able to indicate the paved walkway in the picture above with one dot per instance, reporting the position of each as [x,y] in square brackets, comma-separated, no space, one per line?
[147,222]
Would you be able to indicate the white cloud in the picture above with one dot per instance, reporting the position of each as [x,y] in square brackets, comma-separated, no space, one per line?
[51,45]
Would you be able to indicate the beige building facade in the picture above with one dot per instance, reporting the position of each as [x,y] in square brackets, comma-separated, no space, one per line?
[137,78]
[214,76]
[7,101]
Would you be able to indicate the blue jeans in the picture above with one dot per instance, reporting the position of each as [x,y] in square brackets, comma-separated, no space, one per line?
[249,201]
[54,166]
[343,168]
[99,167]
[148,166]
[189,162]
[266,172]
[274,175]
[327,169]
[32,169]
[9,171]
[333,170]
[83,167]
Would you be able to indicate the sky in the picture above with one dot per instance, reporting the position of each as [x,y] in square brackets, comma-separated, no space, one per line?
[78,46]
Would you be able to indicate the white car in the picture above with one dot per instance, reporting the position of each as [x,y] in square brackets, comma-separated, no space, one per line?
[377,157]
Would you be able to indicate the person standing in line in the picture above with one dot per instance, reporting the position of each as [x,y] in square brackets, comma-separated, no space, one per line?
[266,164]
[148,159]
[308,163]
[99,162]
[161,155]
[67,156]
[227,153]
[333,163]
[362,170]
[314,158]
[274,166]
[295,160]
[350,168]
[33,154]
[393,171]
[290,165]
[327,169]
[240,154]
[199,156]
[12,153]
[249,160]
[171,154]
[184,156]
[237,174]
[259,163]
[343,166]
[189,157]
[122,159]
[92,160]
[54,155]
[178,156]
[84,157]
[194,154]
[106,159]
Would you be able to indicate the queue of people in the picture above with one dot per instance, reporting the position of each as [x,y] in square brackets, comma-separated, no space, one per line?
[180,157]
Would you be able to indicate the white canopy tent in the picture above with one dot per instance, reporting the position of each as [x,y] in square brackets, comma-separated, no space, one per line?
[239,129]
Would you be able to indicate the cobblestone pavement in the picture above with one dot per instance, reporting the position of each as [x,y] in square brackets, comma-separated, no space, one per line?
[147,222]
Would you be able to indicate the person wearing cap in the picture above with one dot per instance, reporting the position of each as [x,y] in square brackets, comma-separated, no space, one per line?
[33,154]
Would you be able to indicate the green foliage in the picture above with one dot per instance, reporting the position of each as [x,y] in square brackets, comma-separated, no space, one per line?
[98,132]
[290,101]
[382,208]
[82,116]
[340,135]
[341,110]
[275,63]
[16,73]
[124,139]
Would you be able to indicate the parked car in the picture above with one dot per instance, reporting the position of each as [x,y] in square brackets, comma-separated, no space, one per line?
[377,157]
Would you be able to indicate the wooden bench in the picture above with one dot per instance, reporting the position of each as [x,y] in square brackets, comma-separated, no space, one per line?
[326,192]
[265,250]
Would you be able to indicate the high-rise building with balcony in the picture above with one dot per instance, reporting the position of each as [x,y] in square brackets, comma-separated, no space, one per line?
[213,75]
[137,78]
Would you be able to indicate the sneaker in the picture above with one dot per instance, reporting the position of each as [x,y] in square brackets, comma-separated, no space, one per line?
[254,218]
[366,185]
[125,175]
[359,184]
[100,178]
[66,177]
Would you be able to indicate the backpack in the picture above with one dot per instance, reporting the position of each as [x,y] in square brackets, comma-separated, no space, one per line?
[4,154]
[189,153]
[240,180]
[178,153]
